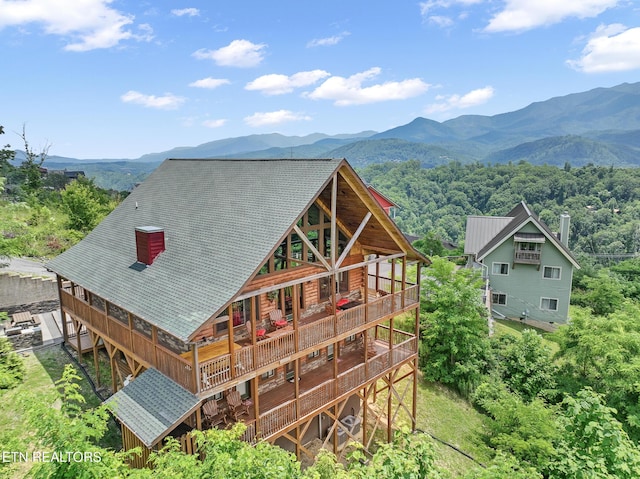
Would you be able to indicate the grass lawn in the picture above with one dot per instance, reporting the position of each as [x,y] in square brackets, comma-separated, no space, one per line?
[445,415]
[515,328]
[43,368]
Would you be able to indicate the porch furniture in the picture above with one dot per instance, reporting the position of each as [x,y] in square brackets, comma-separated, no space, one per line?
[213,415]
[236,407]
[277,320]
[21,319]
[260,332]
[280,332]
[350,304]
[210,351]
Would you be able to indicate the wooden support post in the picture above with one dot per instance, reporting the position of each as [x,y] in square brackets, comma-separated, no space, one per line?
[232,356]
[295,304]
[389,408]
[256,405]
[404,281]
[414,405]
[365,410]
[96,364]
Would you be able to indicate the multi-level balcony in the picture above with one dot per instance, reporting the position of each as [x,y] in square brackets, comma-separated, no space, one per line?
[315,331]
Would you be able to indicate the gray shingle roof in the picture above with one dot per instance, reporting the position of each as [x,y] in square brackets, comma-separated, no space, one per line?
[517,217]
[221,219]
[152,405]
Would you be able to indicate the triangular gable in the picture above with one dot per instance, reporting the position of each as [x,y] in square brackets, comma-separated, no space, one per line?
[152,405]
[521,216]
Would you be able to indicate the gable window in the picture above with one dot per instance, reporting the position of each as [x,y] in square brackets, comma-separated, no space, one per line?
[549,304]
[499,298]
[551,272]
[500,268]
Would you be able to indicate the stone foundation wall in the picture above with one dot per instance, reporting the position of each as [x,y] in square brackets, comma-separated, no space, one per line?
[28,338]
[18,291]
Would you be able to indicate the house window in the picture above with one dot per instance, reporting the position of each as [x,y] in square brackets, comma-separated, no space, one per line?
[342,285]
[241,313]
[549,304]
[314,354]
[551,272]
[330,350]
[269,374]
[244,389]
[217,396]
[350,339]
[500,268]
[499,298]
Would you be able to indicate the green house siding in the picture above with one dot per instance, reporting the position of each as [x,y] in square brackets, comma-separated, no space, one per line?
[525,285]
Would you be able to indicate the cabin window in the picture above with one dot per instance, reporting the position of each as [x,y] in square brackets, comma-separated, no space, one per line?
[342,285]
[499,298]
[269,374]
[244,389]
[330,350]
[551,272]
[217,396]
[241,313]
[500,268]
[350,339]
[549,304]
[314,354]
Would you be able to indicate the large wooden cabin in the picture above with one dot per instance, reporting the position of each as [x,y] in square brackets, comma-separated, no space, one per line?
[279,279]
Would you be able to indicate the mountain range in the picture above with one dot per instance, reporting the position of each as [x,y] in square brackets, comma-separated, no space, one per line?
[599,126]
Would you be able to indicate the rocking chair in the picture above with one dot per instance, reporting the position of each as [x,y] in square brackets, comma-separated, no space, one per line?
[277,320]
[212,413]
[236,407]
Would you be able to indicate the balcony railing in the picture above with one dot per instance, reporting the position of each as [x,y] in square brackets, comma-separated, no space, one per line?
[272,350]
[528,257]
[319,396]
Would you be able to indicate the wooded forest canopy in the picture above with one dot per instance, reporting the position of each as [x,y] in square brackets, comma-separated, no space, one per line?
[603,202]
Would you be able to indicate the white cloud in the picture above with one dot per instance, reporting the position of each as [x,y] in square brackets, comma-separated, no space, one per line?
[239,53]
[520,15]
[610,48]
[181,12]
[89,24]
[274,118]
[166,102]
[328,41]
[428,6]
[349,91]
[460,102]
[214,123]
[441,21]
[276,84]
[209,83]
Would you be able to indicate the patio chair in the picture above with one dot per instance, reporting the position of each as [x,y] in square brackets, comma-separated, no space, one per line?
[236,407]
[213,415]
[260,332]
[277,320]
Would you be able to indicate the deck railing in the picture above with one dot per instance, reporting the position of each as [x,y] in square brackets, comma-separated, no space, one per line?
[316,398]
[278,418]
[215,371]
[350,319]
[314,333]
[272,350]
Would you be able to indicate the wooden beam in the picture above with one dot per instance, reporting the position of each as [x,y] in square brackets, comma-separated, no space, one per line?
[353,239]
[313,249]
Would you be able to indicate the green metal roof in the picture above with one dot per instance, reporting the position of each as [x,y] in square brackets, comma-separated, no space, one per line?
[152,405]
[221,218]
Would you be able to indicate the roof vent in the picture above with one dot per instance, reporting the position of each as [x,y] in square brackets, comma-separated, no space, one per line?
[149,243]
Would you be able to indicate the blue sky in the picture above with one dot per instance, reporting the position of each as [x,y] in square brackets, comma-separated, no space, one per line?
[118,79]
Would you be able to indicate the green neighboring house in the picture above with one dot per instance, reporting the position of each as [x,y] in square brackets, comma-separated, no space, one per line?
[529,268]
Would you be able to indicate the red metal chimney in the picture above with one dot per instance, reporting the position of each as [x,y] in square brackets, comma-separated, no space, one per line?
[149,243]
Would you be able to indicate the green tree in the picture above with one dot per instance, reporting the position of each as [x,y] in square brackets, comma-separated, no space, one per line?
[604,354]
[31,165]
[525,364]
[6,156]
[11,365]
[592,442]
[455,335]
[84,204]
[69,428]
[430,245]
[505,466]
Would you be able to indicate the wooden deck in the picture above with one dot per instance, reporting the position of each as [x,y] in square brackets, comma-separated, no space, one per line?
[280,409]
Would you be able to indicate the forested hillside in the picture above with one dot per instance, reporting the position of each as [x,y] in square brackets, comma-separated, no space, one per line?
[603,202]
